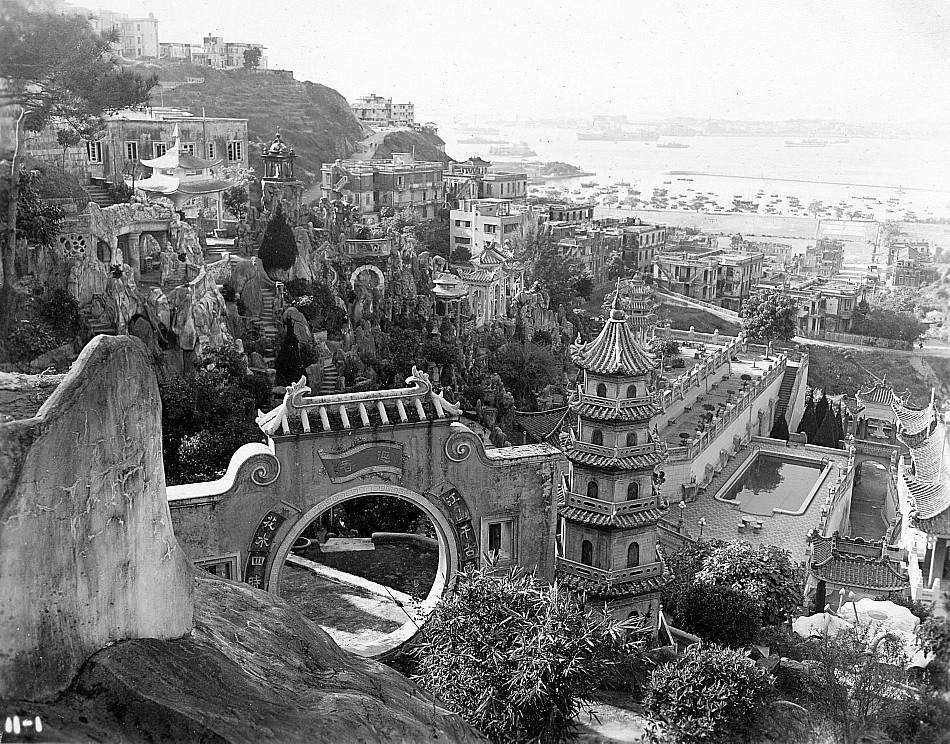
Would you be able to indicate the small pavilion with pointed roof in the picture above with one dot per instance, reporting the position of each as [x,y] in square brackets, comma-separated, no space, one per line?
[181,176]
[875,415]
[609,507]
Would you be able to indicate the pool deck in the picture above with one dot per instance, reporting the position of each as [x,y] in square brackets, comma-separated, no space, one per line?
[787,531]
[713,397]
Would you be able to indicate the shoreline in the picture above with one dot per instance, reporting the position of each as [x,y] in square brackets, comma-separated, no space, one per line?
[805,180]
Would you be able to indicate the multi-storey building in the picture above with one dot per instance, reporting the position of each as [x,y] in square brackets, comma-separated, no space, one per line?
[824,305]
[609,510]
[226,55]
[472,179]
[910,264]
[402,183]
[726,278]
[138,37]
[479,224]
[570,212]
[378,111]
[178,51]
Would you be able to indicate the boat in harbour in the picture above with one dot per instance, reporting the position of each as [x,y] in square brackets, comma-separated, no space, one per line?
[521,150]
[617,135]
[673,145]
[806,143]
[482,141]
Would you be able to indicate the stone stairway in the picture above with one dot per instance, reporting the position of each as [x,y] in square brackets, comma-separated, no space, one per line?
[785,391]
[99,326]
[268,328]
[99,194]
[329,384]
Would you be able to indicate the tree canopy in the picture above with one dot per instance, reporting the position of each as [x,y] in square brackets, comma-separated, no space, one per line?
[55,67]
[560,276]
[526,369]
[768,314]
[278,249]
[882,322]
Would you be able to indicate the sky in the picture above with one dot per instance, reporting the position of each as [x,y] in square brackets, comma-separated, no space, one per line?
[855,60]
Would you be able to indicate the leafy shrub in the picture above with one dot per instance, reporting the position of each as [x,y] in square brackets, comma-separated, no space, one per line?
[921,721]
[120,192]
[29,338]
[61,310]
[719,614]
[710,694]
[513,655]
[765,572]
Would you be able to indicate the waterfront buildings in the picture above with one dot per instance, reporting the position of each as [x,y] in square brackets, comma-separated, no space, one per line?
[377,111]
[402,183]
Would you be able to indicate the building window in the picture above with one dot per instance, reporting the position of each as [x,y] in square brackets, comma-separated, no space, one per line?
[490,229]
[187,147]
[632,439]
[587,553]
[633,555]
[633,491]
[593,490]
[632,391]
[159,149]
[601,390]
[597,437]
[498,534]
[458,223]
[132,151]
[94,150]
[211,151]
[235,151]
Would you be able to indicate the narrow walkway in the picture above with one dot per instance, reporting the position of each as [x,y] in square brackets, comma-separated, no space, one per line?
[867,504]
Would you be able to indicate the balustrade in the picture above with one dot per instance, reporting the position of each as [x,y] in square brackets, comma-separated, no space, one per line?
[610,576]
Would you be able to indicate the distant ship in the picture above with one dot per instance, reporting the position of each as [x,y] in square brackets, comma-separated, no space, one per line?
[675,145]
[588,184]
[617,135]
[482,141]
[521,150]
[806,143]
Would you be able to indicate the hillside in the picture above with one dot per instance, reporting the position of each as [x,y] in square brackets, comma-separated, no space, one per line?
[426,146]
[315,120]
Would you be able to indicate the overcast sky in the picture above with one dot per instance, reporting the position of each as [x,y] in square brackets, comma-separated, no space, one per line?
[880,60]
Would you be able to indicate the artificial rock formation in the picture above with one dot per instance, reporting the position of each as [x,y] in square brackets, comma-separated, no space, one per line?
[87,552]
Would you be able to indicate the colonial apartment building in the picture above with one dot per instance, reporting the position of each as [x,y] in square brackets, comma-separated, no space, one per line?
[480,224]
[381,112]
[473,179]
[910,264]
[400,183]
[724,278]
[823,304]
[138,37]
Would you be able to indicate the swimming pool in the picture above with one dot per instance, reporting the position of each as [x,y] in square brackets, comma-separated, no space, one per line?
[773,482]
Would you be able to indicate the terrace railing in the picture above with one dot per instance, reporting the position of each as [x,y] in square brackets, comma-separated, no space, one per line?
[610,575]
[607,508]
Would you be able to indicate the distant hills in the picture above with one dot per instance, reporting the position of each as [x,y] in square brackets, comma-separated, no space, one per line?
[315,120]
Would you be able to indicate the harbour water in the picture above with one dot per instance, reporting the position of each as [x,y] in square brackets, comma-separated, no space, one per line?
[882,179]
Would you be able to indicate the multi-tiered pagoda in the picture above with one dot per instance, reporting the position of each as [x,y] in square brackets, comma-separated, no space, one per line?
[609,507]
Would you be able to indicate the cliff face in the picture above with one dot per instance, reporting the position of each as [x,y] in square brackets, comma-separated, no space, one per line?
[315,120]
[87,552]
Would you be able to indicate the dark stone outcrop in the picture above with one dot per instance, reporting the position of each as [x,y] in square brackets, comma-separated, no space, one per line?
[253,670]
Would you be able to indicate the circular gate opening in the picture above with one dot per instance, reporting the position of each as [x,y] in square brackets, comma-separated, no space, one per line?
[377,564]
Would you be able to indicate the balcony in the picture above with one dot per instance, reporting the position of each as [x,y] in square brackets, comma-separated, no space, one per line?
[620,403]
[615,452]
[610,575]
[609,508]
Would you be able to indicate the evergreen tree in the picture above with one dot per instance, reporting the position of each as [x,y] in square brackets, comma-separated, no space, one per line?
[839,429]
[827,436]
[809,423]
[779,429]
[278,248]
[768,314]
[821,407]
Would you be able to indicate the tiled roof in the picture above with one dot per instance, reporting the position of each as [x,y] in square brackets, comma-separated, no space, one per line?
[491,256]
[914,421]
[476,275]
[880,392]
[543,426]
[612,413]
[929,484]
[597,589]
[855,563]
[606,462]
[620,521]
[615,351]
